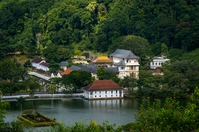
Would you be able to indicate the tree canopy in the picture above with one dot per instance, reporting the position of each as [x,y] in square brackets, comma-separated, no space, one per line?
[59,27]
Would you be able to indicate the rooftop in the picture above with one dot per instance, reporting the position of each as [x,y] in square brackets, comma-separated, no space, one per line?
[102,85]
[103,59]
[38,60]
[121,53]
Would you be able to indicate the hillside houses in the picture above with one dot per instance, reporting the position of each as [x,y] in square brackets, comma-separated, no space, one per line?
[122,62]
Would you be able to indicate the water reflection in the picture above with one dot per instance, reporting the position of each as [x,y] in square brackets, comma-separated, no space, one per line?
[71,110]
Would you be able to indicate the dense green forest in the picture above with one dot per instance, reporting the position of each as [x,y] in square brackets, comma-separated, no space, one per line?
[145,27]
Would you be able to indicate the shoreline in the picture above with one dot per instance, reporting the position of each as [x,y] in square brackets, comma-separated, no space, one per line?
[27,96]
[155,97]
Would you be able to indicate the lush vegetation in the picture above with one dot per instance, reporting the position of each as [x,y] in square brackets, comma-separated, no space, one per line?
[156,116]
[59,29]
[55,29]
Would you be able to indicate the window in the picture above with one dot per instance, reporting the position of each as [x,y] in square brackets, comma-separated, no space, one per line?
[133,68]
[91,93]
[111,91]
[116,91]
[105,92]
[122,68]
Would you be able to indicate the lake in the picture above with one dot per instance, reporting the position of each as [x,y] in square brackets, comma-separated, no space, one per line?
[71,110]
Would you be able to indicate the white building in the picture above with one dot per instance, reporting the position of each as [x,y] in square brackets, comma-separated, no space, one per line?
[126,62]
[40,64]
[36,62]
[103,89]
[158,61]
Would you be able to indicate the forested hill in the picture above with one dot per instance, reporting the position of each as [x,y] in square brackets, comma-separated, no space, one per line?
[147,27]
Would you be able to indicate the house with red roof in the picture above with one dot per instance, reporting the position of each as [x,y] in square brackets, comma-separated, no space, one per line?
[66,72]
[103,89]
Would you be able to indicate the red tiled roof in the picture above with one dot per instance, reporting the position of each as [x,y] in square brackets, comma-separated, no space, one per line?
[158,70]
[38,60]
[102,85]
[67,71]
[44,64]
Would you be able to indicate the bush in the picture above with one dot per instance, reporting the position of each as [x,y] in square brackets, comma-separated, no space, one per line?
[168,116]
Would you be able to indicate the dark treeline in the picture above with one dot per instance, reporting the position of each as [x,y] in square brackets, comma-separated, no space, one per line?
[30,26]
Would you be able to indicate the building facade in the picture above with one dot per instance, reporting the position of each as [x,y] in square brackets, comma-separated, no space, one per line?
[103,89]
[126,62]
[40,64]
[158,61]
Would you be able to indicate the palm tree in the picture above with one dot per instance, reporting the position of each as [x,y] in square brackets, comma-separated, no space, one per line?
[32,85]
[21,100]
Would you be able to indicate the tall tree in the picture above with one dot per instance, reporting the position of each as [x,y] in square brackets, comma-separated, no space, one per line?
[78,79]
[11,70]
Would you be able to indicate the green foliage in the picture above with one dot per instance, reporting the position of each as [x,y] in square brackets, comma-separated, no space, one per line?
[41,28]
[54,67]
[165,117]
[78,79]
[128,82]
[56,54]
[3,106]
[32,85]
[11,87]
[81,126]
[138,45]
[180,78]
[21,100]
[27,63]
[102,74]
[11,70]
[191,56]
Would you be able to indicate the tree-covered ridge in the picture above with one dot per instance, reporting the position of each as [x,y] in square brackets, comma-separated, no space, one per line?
[30,26]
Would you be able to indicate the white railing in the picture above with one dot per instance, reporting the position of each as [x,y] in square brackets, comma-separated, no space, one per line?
[39,75]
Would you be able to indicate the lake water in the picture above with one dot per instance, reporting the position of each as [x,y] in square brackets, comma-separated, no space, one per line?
[71,110]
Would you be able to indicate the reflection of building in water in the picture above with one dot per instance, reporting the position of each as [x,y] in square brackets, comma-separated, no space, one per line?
[113,103]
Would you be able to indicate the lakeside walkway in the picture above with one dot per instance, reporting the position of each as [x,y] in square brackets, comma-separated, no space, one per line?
[42,96]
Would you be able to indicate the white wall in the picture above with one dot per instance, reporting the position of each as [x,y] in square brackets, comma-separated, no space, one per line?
[157,63]
[43,68]
[103,94]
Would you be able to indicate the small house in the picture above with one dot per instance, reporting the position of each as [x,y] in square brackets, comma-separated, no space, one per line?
[103,89]
[63,64]
[44,66]
[158,61]
[36,62]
